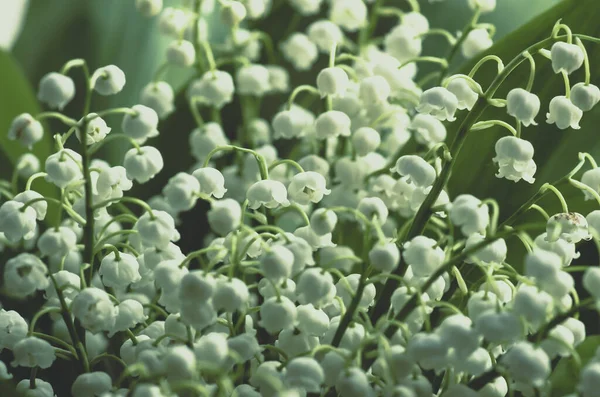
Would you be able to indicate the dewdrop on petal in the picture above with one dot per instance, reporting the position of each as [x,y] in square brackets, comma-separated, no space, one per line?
[514,157]
[108,80]
[143,164]
[585,97]
[464,93]
[523,105]
[332,81]
[438,102]
[56,90]
[324,34]
[566,57]
[564,113]
[332,124]
[419,171]
[477,41]
[26,130]
[299,51]
[253,80]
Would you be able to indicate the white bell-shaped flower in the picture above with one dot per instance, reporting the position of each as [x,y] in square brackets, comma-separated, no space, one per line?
[215,88]
[206,138]
[232,12]
[315,287]
[324,34]
[13,328]
[585,96]
[143,164]
[94,310]
[181,53]
[428,130]
[403,43]
[464,93]
[458,333]
[268,193]
[514,157]
[212,182]
[491,253]
[571,226]
[346,288]
[231,295]
[91,384]
[119,272]
[307,187]
[40,207]
[533,305]
[564,249]
[564,113]
[148,8]
[323,221]
[224,216]
[591,281]
[96,129]
[27,164]
[365,140]
[384,257]
[141,125]
[332,124]
[312,321]
[16,221]
[276,263]
[24,274]
[253,80]
[353,382]
[108,80]
[57,241]
[438,102]
[304,373]
[182,191]
[42,389]
[429,350]
[566,57]
[527,363]
[477,41]
[26,130]
[156,230]
[469,213]
[300,51]
[160,97]
[56,90]
[350,15]
[172,21]
[332,81]
[588,379]
[373,207]
[33,352]
[373,90]
[63,167]
[130,313]
[277,314]
[306,7]
[523,106]
[211,351]
[417,21]
[419,171]
[423,255]
[292,123]
[113,182]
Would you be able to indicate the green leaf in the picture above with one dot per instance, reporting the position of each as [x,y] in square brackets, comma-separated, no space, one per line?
[555,150]
[17,97]
[565,376]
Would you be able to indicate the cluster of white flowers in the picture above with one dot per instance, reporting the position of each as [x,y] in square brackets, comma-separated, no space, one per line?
[336,269]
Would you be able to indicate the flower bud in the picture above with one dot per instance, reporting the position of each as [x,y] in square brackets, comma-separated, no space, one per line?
[158,96]
[324,34]
[181,53]
[566,57]
[332,124]
[143,164]
[277,315]
[299,51]
[373,207]
[292,123]
[419,172]
[224,216]
[56,90]
[26,130]
[523,106]
[42,389]
[323,221]
[27,164]
[24,274]
[384,257]
[215,88]
[438,102]
[591,281]
[253,80]
[276,264]
[564,113]
[353,382]
[350,15]
[306,7]
[515,159]
[149,8]
[232,12]
[402,43]
[477,41]
[346,288]
[332,81]
[585,97]
[173,21]
[108,80]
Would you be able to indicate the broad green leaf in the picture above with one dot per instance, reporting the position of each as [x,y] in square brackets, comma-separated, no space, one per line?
[566,374]
[17,97]
[555,150]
